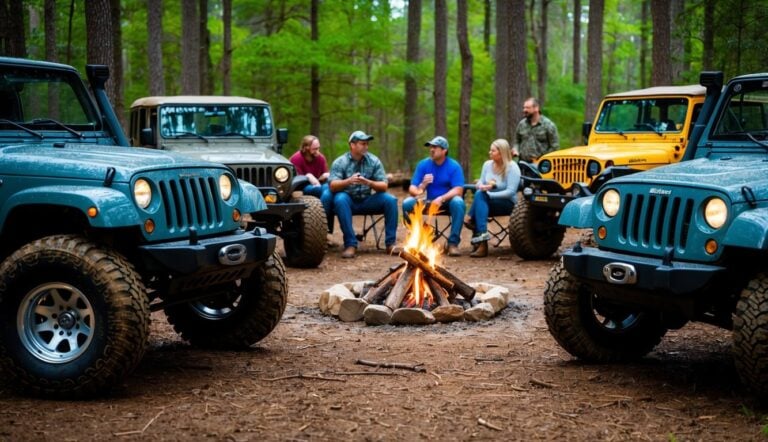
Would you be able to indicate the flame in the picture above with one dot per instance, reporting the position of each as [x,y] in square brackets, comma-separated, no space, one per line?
[420,241]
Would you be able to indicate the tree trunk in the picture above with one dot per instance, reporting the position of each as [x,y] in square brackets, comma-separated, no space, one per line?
[69,32]
[465,103]
[411,85]
[155,47]
[100,43]
[50,52]
[226,57]
[660,52]
[519,87]
[540,30]
[314,109]
[708,57]
[644,43]
[487,26]
[13,42]
[441,66]
[116,67]
[576,41]
[677,41]
[594,58]
[206,66]
[501,85]
[190,48]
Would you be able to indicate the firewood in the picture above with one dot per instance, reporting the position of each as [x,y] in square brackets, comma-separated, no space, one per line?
[401,288]
[419,368]
[423,264]
[377,293]
[439,293]
[464,289]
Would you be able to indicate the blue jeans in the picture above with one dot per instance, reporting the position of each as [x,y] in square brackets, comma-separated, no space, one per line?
[455,208]
[377,203]
[326,198]
[484,206]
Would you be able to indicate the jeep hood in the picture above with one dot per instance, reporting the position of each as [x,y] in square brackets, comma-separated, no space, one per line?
[89,161]
[726,175]
[621,153]
[229,153]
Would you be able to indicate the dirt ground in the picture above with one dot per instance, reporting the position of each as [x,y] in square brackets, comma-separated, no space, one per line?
[505,379]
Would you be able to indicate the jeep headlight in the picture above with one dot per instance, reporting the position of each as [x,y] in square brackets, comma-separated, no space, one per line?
[142,193]
[611,202]
[282,174]
[225,187]
[593,168]
[715,212]
[545,166]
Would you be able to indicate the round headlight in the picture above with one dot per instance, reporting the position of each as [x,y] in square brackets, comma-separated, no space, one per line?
[715,213]
[545,166]
[593,168]
[611,202]
[142,193]
[282,174]
[225,187]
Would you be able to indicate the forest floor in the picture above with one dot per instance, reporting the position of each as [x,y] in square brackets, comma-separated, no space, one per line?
[505,379]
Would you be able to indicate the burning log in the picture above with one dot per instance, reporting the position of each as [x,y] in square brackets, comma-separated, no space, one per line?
[401,288]
[423,264]
[379,292]
[459,286]
[439,293]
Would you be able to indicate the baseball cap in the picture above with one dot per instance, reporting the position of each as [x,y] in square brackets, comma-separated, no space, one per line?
[438,141]
[359,135]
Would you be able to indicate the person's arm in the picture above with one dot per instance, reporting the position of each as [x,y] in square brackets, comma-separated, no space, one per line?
[324,176]
[512,181]
[312,179]
[421,184]
[554,142]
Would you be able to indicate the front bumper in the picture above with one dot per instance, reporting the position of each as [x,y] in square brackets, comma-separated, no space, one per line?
[631,273]
[237,251]
[549,193]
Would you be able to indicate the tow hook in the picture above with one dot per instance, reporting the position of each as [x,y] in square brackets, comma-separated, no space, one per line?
[620,273]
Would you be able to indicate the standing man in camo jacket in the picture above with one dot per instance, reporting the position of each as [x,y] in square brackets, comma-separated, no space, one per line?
[535,134]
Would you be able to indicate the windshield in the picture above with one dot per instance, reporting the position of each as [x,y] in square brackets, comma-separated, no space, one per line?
[35,97]
[643,115]
[745,114]
[215,120]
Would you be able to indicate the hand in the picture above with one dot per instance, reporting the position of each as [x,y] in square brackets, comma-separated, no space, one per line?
[426,181]
[324,177]
[312,180]
[438,201]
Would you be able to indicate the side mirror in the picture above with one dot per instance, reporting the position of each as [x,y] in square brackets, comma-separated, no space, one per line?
[147,137]
[586,128]
[282,139]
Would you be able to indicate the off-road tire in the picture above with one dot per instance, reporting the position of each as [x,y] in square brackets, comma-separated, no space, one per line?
[75,315]
[750,335]
[533,231]
[304,235]
[237,316]
[570,309]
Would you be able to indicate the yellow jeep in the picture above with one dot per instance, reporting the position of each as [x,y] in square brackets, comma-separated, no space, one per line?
[633,131]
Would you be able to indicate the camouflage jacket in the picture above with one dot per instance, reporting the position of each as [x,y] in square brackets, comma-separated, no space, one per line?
[534,141]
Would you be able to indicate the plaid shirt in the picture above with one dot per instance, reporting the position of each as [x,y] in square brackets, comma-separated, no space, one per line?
[534,141]
[369,167]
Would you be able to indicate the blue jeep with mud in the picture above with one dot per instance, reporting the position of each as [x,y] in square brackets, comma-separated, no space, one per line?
[684,242]
[95,235]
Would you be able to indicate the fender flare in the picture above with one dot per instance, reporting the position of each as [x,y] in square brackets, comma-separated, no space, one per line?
[578,213]
[749,230]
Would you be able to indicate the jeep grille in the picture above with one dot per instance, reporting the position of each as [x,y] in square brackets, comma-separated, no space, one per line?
[567,171]
[258,176]
[656,222]
[191,202]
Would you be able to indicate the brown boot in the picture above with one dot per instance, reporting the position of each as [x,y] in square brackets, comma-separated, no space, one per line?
[481,251]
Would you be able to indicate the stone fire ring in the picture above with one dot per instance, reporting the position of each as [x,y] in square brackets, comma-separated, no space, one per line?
[344,302]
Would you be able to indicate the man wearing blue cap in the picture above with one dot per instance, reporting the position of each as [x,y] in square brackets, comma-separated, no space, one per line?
[359,185]
[443,181]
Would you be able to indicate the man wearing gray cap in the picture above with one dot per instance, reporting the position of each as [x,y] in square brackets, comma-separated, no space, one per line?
[443,181]
[359,185]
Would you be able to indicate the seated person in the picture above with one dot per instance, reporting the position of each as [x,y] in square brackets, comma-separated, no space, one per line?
[495,194]
[359,185]
[309,162]
[443,181]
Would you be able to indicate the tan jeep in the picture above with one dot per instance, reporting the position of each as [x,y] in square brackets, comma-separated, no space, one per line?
[633,131]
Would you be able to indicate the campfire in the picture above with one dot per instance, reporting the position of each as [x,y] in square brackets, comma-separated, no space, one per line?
[416,291]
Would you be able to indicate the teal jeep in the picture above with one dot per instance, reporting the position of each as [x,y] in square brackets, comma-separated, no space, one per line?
[684,242]
[95,235]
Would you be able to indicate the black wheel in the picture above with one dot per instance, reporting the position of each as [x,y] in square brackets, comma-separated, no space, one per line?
[304,235]
[592,329]
[534,232]
[750,335]
[75,316]
[236,316]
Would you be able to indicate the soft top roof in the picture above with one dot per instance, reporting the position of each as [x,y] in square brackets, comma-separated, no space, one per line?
[193,99]
[691,89]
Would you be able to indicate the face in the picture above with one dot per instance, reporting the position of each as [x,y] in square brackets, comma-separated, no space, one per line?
[529,109]
[494,153]
[314,148]
[358,148]
[437,153]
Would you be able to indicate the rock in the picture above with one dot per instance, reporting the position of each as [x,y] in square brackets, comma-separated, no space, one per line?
[498,289]
[481,287]
[351,310]
[412,316]
[358,288]
[377,314]
[495,299]
[330,299]
[480,312]
[448,313]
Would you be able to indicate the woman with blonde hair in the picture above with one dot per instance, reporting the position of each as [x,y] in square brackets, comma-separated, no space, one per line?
[495,194]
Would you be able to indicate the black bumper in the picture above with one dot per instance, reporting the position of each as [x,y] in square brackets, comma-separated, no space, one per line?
[651,275]
[237,251]
[280,211]
[549,193]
